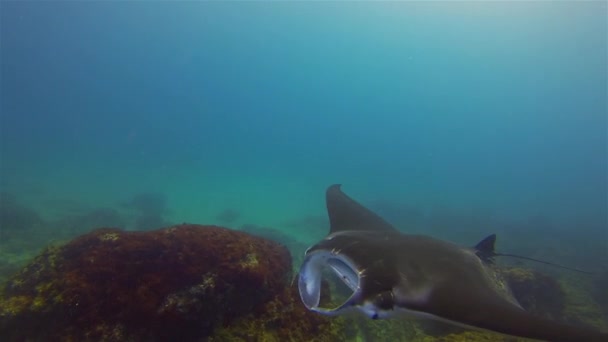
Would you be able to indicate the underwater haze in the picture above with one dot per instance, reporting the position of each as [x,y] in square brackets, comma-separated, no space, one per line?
[455,119]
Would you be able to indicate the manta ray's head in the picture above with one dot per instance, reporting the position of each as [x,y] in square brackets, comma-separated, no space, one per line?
[315,268]
[338,259]
[353,284]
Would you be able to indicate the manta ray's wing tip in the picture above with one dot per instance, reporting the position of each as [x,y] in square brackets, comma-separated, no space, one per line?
[334,187]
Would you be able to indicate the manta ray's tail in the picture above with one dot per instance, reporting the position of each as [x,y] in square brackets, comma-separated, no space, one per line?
[485,251]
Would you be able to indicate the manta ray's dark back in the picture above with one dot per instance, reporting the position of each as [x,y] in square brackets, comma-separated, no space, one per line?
[392,272]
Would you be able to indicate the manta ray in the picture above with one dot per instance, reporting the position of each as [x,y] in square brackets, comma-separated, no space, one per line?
[389,272]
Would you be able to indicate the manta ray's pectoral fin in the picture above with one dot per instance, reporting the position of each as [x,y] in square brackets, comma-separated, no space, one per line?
[484,309]
[346,214]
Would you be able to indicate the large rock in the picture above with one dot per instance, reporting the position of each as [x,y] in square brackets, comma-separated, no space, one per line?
[538,293]
[177,283]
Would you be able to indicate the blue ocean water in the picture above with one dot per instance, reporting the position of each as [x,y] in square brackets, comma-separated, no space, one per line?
[451,118]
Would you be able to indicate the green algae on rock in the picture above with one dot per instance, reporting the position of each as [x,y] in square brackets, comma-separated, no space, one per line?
[536,292]
[180,282]
[285,319]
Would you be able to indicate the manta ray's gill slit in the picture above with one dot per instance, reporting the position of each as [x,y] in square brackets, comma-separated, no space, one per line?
[341,282]
[347,274]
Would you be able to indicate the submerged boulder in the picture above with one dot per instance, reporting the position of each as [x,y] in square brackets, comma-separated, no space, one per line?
[538,293]
[177,283]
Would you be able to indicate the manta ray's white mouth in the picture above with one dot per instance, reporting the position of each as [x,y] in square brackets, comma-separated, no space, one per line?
[326,265]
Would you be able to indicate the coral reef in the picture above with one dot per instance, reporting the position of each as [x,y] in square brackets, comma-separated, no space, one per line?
[178,283]
[12,261]
[296,248]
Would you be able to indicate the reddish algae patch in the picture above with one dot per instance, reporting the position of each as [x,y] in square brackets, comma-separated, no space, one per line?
[177,283]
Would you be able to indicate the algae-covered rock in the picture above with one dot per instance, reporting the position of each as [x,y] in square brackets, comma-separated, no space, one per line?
[538,293]
[178,283]
[560,299]
[600,292]
[285,319]
[475,336]
[581,308]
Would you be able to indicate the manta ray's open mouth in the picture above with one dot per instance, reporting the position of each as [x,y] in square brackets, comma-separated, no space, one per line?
[341,275]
